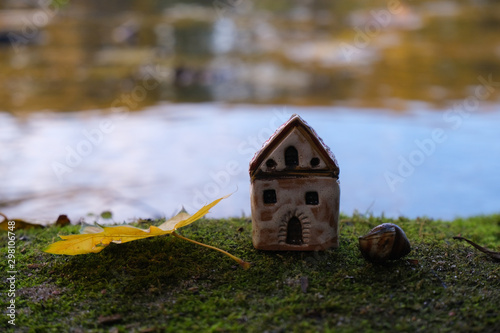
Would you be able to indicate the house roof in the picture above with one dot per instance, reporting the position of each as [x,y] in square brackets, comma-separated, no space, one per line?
[295,121]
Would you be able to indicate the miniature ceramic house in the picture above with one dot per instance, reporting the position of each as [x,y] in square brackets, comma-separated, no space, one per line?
[294,191]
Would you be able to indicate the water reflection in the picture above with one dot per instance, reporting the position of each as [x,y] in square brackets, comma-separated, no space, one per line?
[150,163]
[102,59]
[85,54]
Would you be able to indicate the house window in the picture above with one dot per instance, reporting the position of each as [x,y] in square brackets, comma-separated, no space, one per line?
[312,198]
[269,196]
[314,162]
[270,163]
[291,157]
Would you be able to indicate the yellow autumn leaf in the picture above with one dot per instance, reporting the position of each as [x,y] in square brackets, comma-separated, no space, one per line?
[93,239]
[170,224]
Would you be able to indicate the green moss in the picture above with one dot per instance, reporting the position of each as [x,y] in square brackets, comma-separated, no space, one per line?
[167,284]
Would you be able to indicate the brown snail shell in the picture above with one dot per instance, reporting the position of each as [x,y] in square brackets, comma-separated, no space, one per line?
[384,242]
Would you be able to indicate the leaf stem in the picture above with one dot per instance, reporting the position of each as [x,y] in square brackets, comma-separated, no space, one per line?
[244,264]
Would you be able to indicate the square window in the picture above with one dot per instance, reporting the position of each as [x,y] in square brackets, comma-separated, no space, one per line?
[312,198]
[269,196]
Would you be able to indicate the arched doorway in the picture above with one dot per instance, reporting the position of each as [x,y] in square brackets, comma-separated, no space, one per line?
[294,232]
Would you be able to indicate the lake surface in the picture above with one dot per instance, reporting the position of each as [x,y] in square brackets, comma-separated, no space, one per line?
[142,107]
[91,54]
[151,163]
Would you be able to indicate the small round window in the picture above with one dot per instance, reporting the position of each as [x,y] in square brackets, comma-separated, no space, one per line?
[270,163]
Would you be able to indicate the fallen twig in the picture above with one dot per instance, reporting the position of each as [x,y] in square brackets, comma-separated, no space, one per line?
[494,255]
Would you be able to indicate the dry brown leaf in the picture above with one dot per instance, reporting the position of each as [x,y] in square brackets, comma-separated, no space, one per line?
[7,224]
[62,220]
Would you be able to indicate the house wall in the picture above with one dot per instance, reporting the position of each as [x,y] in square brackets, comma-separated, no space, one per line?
[319,222]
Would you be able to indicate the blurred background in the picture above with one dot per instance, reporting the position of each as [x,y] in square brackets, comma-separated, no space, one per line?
[142,107]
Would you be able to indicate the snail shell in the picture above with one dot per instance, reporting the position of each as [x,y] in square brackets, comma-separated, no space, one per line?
[384,242]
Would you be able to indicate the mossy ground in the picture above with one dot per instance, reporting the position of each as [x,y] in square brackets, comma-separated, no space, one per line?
[167,284]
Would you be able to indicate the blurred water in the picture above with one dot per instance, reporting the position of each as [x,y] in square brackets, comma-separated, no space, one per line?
[153,162]
[88,120]
[85,54]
